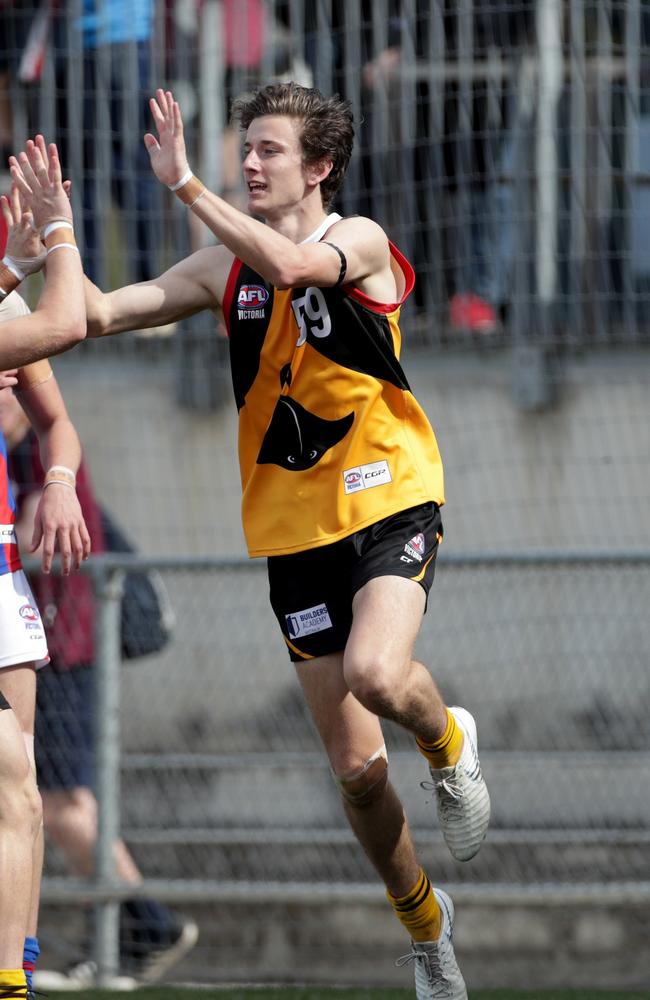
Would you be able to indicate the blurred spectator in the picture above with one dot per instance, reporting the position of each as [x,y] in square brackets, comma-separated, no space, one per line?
[23,28]
[109,49]
[151,937]
[459,173]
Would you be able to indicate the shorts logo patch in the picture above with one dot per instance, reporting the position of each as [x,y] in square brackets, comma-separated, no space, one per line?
[29,613]
[364,477]
[415,548]
[307,622]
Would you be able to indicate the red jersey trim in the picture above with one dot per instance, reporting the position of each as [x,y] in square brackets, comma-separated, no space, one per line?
[237,265]
[383,307]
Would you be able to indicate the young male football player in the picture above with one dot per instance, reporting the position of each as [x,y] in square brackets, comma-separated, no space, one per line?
[342,478]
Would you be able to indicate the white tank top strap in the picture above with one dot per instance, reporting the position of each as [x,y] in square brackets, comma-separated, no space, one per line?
[326,224]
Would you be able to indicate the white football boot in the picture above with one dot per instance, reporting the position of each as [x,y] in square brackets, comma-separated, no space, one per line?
[462,797]
[437,975]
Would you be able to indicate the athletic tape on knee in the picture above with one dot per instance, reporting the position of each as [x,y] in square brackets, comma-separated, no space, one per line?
[365,786]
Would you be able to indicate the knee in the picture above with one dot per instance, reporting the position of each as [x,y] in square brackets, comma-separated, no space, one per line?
[21,808]
[365,786]
[372,681]
[65,812]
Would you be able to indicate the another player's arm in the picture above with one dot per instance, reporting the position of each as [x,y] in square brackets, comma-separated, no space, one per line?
[58,322]
[194,284]
[58,521]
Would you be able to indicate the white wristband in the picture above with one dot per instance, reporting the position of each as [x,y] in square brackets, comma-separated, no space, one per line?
[13,267]
[53,226]
[182,182]
[61,246]
[61,475]
[58,482]
[62,468]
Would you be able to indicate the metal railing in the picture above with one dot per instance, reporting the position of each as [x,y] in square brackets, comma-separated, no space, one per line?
[538,885]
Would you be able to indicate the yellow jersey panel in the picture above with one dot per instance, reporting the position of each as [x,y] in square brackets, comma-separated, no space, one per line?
[331,438]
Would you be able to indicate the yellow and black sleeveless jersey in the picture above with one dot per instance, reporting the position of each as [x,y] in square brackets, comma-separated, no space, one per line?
[331,439]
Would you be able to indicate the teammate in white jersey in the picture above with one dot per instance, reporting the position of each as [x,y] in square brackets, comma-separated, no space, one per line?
[39,224]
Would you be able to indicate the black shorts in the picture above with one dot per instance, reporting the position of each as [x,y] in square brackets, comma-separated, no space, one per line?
[65,728]
[312,591]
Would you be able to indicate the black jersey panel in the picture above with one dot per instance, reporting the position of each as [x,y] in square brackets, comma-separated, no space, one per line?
[348,333]
[250,313]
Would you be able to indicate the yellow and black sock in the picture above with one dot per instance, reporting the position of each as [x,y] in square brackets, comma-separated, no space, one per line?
[418,911]
[13,978]
[446,751]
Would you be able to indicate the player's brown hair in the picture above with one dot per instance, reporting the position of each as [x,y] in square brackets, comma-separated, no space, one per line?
[327,131]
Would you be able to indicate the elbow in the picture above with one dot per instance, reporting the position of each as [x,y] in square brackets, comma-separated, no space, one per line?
[76,332]
[290,272]
[287,276]
[69,335]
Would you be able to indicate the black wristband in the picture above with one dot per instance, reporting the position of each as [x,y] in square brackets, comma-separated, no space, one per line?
[344,263]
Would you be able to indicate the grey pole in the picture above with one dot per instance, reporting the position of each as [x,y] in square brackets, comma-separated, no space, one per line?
[108,592]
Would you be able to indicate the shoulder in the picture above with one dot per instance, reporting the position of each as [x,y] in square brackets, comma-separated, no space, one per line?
[359,229]
[364,243]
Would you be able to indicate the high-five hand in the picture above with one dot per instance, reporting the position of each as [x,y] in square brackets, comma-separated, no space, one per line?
[167,151]
[36,172]
[25,250]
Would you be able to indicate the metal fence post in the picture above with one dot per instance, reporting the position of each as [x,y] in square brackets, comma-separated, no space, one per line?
[108,583]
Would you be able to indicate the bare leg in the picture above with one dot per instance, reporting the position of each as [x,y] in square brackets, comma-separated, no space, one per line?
[70,819]
[16,833]
[378,665]
[351,735]
[19,687]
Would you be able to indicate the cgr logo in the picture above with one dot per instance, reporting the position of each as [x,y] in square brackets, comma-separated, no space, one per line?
[252,295]
[29,613]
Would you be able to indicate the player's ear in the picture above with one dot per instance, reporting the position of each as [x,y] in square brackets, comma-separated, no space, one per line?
[317,172]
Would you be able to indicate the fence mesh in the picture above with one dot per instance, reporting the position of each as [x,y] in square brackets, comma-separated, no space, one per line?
[505,147]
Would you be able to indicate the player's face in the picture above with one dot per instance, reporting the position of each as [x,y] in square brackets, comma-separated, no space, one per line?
[275,176]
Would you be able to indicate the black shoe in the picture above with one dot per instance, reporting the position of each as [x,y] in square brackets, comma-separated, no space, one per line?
[150,961]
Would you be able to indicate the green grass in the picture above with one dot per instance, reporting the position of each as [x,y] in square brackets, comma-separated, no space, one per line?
[314,993]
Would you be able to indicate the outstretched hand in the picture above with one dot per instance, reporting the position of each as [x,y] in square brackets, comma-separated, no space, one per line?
[24,247]
[167,152]
[36,172]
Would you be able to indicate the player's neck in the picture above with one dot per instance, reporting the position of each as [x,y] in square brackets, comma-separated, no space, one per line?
[300,221]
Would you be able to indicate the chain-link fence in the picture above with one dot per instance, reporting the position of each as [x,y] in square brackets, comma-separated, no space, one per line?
[225,797]
[504,148]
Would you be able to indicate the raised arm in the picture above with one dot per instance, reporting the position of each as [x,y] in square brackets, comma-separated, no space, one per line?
[58,523]
[58,321]
[281,261]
